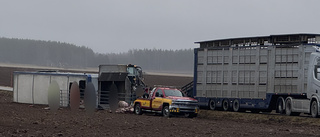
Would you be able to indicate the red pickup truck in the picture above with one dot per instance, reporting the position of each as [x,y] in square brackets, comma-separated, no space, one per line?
[167,101]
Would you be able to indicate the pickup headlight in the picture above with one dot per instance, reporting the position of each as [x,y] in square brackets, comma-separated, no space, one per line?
[173,101]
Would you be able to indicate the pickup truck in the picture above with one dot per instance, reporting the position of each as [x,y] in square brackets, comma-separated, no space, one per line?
[166,101]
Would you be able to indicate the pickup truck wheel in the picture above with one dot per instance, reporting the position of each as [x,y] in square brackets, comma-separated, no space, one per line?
[166,111]
[314,109]
[137,109]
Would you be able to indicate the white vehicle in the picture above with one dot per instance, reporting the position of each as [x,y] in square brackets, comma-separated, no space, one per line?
[277,72]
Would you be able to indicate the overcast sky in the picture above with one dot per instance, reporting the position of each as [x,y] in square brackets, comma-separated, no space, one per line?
[119,25]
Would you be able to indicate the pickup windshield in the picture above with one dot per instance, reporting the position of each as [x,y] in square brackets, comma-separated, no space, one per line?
[173,92]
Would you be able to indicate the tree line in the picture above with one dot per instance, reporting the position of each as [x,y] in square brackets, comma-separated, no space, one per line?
[65,55]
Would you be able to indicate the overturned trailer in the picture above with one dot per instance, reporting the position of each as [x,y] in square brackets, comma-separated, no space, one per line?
[32,87]
[114,83]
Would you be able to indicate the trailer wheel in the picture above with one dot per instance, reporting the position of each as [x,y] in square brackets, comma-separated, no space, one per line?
[314,109]
[236,105]
[225,105]
[166,111]
[288,109]
[280,105]
[137,109]
[212,104]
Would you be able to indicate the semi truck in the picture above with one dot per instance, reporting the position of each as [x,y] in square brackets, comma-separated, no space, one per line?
[263,73]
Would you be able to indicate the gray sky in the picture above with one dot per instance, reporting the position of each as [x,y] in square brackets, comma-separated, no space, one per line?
[119,25]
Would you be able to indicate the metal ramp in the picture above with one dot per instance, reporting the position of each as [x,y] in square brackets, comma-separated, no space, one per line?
[188,89]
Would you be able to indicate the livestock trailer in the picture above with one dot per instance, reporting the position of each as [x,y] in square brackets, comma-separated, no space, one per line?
[276,72]
[32,87]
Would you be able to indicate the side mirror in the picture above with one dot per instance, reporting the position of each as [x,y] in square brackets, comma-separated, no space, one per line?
[157,94]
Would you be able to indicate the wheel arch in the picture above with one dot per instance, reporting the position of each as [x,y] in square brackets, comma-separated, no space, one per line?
[287,98]
[314,98]
[165,104]
[137,102]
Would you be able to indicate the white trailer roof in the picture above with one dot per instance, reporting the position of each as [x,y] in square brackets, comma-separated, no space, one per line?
[56,73]
[263,40]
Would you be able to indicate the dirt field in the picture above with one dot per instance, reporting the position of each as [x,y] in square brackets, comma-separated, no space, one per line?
[27,120]
[32,120]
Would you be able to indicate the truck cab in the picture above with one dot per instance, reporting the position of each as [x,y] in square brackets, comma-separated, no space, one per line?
[167,101]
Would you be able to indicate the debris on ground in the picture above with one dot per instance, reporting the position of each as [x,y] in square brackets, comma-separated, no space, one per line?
[124,107]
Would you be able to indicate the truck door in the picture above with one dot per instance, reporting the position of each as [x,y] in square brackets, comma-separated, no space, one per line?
[316,82]
[157,100]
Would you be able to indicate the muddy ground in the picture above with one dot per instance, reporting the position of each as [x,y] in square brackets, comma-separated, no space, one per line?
[33,120]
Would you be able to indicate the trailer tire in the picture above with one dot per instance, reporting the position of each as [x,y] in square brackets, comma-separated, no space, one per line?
[314,109]
[288,109]
[212,104]
[225,105]
[137,109]
[280,105]
[236,105]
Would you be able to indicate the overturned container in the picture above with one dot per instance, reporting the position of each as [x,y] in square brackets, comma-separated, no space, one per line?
[32,87]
